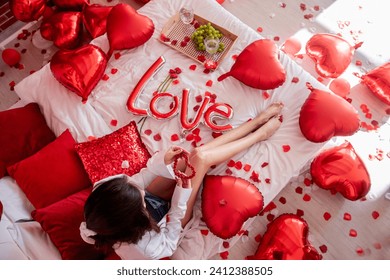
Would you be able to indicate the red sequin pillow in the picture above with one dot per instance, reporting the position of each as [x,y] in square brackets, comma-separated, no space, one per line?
[121,152]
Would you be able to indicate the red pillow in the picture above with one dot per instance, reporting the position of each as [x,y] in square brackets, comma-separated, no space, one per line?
[121,152]
[61,221]
[23,132]
[51,174]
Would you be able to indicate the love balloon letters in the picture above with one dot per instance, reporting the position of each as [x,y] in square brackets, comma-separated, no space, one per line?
[208,113]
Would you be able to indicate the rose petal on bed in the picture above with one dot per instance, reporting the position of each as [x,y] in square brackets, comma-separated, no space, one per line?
[174,137]
[105,77]
[327,216]
[234,56]
[247,167]
[148,132]
[295,80]
[323,249]
[114,122]
[299,190]
[225,244]
[224,255]
[204,232]
[270,206]
[347,216]
[282,5]
[255,177]
[231,163]
[157,137]
[258,238]
[359,251]
[282,200]
[238,165]
[270,217]
[375,215]
[228,172]
[173,42]
[276,38]
[306,197]
[216,134]
[300,212]
[114,71]
[175,82]
[268,180]
[201,58]
[264,164]
[90,138]
[377,245]
[352,233]
[192,67]
[209,83]
[117,55]
[286,148]
[259,29]
[265,95]
[307,182]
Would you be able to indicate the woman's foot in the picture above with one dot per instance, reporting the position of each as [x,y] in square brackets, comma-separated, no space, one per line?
[268,128]
[272,110]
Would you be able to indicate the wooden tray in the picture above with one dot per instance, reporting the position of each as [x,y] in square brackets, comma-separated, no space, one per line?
[175,32]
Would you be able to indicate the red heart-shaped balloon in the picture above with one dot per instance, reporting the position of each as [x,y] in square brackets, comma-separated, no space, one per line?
[378,81]
[258,66]
[95,19]
[227,202]
[331,53]
[79,70]
[27,10]
[74,5]
[63,28]
[324,115]
[341,170]
[127,29]
[286,239]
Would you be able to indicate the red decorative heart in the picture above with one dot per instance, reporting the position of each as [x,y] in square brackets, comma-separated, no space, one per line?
[74,5]
[95,19]
[324,115]
[331,53]
[180,174]
[27,11]
[227,202]
[286,239]
[340,169]
[127,29]
[378,81]
[258,66]
[79,70]
[63,28]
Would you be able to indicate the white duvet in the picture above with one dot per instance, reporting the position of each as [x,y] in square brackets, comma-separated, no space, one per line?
[106,111]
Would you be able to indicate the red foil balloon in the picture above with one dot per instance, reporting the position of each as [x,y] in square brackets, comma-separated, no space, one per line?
[27,10]
[340,86]
[79,70]
[292,46]
[340,169]
[331,53]
[95,19]
[74,5]
[258,66]
[325,115]
[286,239]
[127,29]
[227,202]
[63,28]
[11,57]
[378,81]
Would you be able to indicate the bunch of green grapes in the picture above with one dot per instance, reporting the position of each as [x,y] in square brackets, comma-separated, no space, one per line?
[203,31]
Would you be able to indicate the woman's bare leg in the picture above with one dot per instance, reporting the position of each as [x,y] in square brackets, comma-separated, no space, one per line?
[202,158]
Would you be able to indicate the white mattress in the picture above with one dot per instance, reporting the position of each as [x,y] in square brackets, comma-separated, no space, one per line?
[63,109]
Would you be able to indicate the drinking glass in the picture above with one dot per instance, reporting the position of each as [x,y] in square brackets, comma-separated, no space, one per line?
[211,44]
[186,16]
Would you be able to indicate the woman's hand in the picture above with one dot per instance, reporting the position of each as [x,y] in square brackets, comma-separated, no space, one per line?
[171,153]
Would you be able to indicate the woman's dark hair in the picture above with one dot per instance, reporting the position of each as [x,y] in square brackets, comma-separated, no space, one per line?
[115,211]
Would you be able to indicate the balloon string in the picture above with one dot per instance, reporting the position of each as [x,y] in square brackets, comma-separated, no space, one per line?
[163,84]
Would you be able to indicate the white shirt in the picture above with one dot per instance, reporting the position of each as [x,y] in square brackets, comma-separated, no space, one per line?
[156,245]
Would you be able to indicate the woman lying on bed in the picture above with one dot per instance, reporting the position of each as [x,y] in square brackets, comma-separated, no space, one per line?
[142,216]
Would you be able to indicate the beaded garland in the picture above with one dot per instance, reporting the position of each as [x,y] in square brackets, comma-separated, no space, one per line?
[180,174]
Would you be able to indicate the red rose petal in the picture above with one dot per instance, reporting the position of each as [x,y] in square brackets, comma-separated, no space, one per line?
[302,6]
[175,82]
[228,172]
[282,200]
[327,216]
[307,182]
[255,177]
[148,132]
[105,77]
[270,217]
[157,137]
[306,197]
[286,148]
[90,138]
[360,251]
[174,137]
[117,55]
[114,71]
[270,206]
[247,167]
[224,255]
[231,163]
[352,233]
[299,190]
[234,56]
[264,164]
[216,134]
[204,232]
[375,215]
[300,212]
[173,42]
[209,83]
[265,95]
[347,216]
[192,67]
[258,238]
[259,29]
[114,122]
[323,249]
[225,244]
[295,80]
[268,180]
[238,165]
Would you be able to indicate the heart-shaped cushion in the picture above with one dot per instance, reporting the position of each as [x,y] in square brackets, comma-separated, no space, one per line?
[286,239]
[258,66]
[332,54]
[95,19]
[324,115]
[227,202]
[79,70]
[340,169]
[127,29]
[378,81]
[63,28]
[27,11]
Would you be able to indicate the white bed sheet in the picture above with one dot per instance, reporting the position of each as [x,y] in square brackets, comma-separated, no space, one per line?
[108,103]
